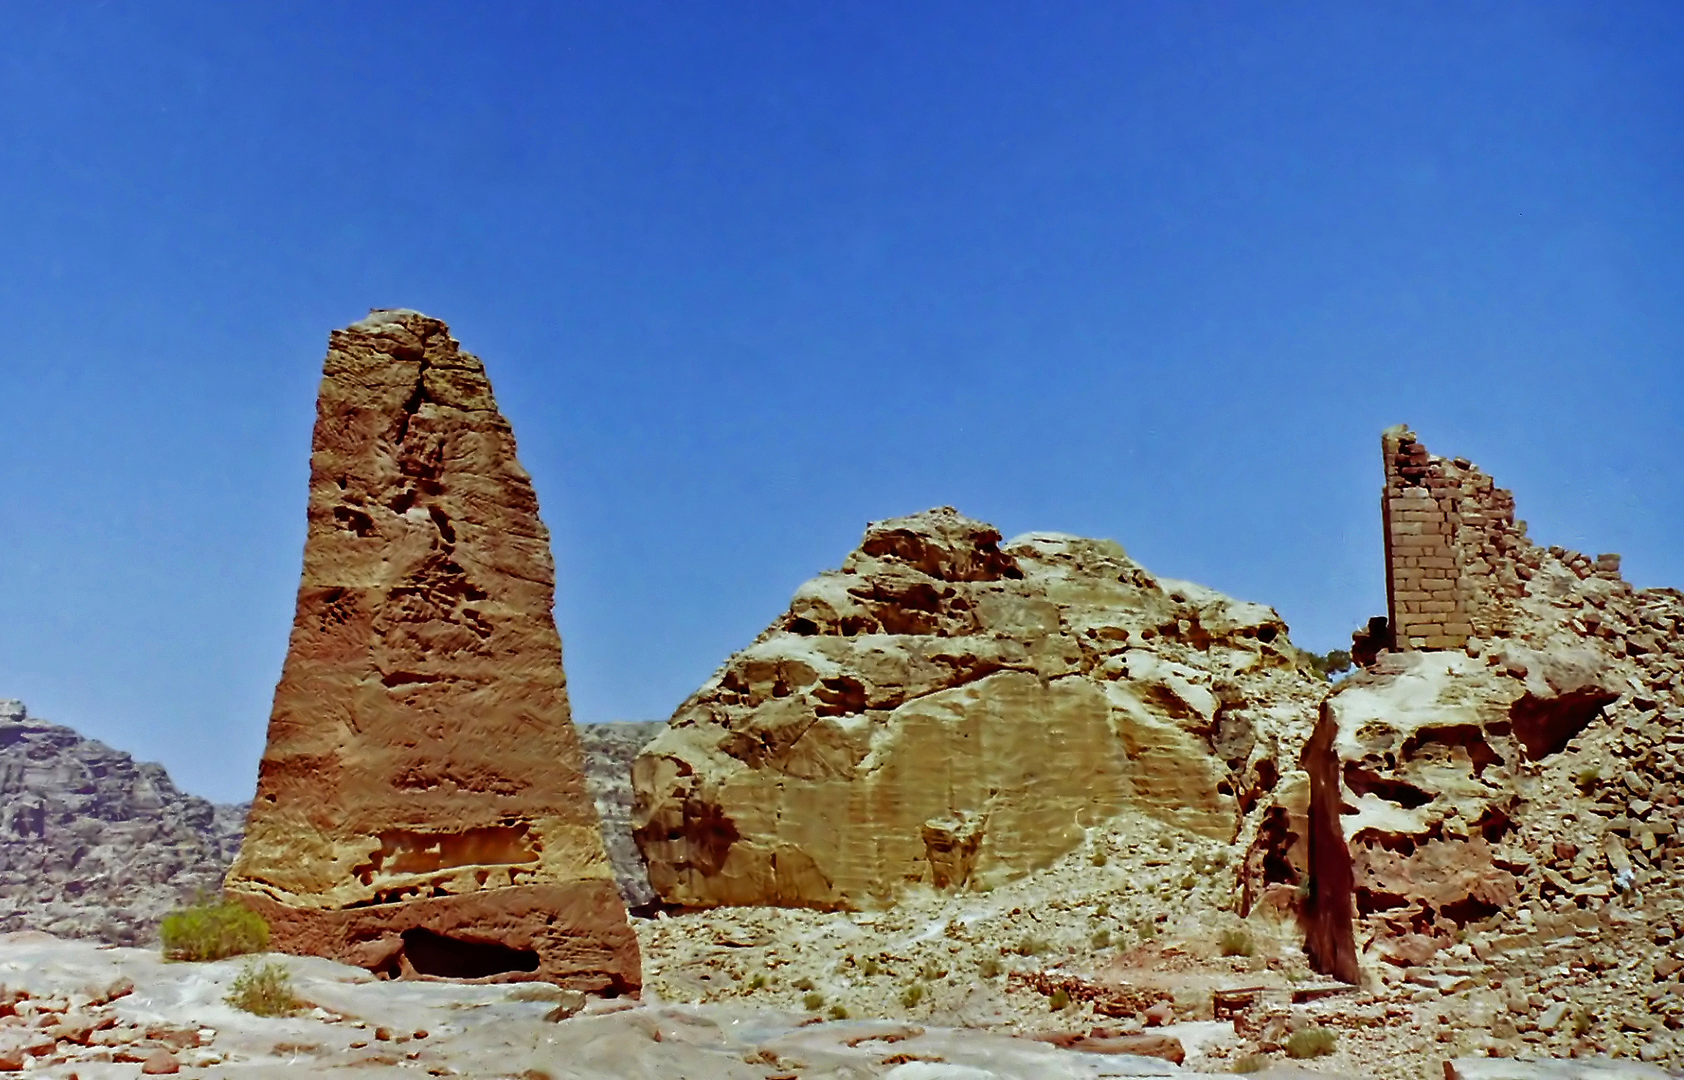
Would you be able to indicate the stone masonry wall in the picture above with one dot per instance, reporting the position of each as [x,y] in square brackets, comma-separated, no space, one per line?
[1456,557]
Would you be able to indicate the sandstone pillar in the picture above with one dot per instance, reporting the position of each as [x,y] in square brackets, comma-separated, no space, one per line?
[421,807]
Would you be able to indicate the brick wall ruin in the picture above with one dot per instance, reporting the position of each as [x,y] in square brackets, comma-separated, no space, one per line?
[1456,557]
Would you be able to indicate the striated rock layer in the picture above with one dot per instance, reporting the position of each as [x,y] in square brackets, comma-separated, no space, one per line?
[421,806]
[93,843]
[947,712]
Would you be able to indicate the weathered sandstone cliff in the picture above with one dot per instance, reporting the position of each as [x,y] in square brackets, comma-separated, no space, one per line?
[421,806]
[948,712]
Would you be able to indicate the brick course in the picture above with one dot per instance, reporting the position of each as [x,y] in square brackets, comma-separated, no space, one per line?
[1455,555]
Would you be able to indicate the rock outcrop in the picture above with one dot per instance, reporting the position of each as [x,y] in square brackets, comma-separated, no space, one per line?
[93,843]
[421,805]
[610,748]
[950,712]
[1512,763]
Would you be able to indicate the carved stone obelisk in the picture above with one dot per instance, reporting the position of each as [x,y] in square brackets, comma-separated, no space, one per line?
[421,806]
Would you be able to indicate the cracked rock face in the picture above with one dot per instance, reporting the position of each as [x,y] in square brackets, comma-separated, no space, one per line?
[950,712]
[1425,761]
[421,806]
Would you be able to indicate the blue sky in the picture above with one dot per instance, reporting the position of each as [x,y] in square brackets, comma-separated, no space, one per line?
[748,275]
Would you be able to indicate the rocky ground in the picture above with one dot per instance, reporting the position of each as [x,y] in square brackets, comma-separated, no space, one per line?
[77,1009]
[1144,915]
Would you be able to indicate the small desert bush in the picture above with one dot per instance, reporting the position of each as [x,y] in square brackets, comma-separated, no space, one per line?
[933,971]
[803,983]
[1100,858]
[1059,1000]
[211,929]
[813,1001]
[1251,1063]
[1101,910]
[264,988]
[912,995]
[1237,942]
[989,968]
[1311,1042]
[758,982]
[837,1012]
[1102,939]
[1030,946]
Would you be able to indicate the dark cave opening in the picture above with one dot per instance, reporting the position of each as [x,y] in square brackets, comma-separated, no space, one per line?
[452,958]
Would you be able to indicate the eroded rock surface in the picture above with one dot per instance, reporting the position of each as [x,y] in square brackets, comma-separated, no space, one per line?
[93,843]
[1508,808]
[950,712]
[421,805]
[610,748]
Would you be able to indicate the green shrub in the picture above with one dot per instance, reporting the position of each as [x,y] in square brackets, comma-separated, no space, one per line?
[1100,858]
[1311,1042]
[871,968]
[803,983]
[912,995]
[1101,910]
[1237,942]
[813,1001]
[837,1012]
[989,968]
[1102,939]
[1030,946]
[1059,1000]
[264,988]
[1251,1063]
[758,982]
[212,929]
[933,972]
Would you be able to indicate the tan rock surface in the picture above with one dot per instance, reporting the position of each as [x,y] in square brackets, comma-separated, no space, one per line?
[1508,811]
[421,807]
[949,713]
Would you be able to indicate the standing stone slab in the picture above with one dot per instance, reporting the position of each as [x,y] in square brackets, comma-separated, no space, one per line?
[421,806]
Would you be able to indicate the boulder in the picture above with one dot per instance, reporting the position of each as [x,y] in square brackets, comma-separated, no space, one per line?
[946,711]
[421,806]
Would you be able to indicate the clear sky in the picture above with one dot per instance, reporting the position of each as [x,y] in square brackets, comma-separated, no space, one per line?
[748,275]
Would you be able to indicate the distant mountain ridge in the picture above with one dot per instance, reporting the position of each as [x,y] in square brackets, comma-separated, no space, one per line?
[94,844]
